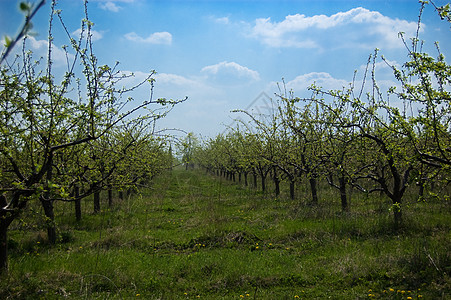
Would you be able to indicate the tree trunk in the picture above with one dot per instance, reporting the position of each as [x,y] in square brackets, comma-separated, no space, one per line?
[255,180]
[245,179]
[77,203]
[3,246]
[277,187]
[397,213]
[263,178]
[292,189]
[343,196]
[47,204]
[421,184]
[50,221]
[6,218]
[4,223]
[314,190]
[276,182]
[121,195]
[110,196]
[96,201]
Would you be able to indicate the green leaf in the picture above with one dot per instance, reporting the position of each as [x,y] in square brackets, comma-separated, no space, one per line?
[162,101]
[24,6]
[7,41]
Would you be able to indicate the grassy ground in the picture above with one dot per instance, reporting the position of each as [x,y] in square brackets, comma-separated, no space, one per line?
[195,236]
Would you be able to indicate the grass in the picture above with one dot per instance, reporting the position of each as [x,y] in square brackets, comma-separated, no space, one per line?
[195,236]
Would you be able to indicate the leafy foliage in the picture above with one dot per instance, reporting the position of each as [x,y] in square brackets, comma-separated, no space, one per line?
[357,136]
[79,133]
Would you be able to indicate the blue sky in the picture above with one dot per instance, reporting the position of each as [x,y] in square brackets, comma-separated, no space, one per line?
[223,54]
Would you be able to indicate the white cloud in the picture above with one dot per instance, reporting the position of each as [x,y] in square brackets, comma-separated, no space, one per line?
[231,69]
[382,69]
[111,6]
[164,78]
[320,79]
[300,84]
[178,87]
[169,85]
[357,27]
[326,82]
[40,49]
[223,20]
[202,106]
[95,35]
[164,38]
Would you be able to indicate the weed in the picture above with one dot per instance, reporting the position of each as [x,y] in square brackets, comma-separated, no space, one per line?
[195,236]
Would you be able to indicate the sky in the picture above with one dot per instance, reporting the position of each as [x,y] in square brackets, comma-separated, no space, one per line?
[228,55]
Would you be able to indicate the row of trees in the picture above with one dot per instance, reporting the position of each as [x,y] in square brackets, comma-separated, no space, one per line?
[69,135]
[357,137]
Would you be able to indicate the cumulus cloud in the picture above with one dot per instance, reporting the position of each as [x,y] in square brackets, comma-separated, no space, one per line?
[165,78]
[169,85]
[321,79]
[300,84]
[40,49]
[178,86]
[223,20]
[164,38]
[325,81]
[231,71]
[111,6]
[381,67]
[95,35]
[358,27]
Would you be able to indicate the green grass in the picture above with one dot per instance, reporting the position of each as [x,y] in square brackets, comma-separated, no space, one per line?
[195,236]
